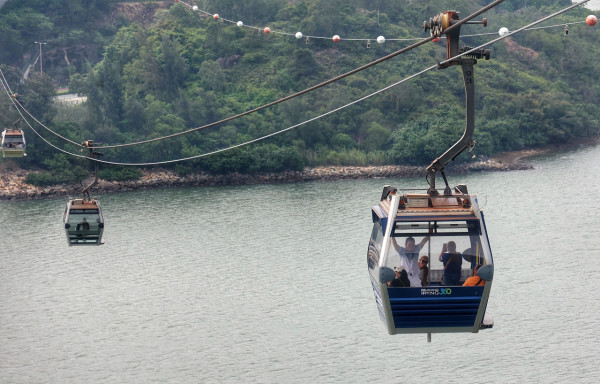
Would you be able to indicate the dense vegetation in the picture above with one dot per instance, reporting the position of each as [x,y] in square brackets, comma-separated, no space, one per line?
[179,70]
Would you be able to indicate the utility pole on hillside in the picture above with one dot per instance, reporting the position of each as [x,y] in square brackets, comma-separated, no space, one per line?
[40,43]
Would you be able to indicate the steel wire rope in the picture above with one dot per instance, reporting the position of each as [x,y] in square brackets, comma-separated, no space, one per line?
[332,111]
[289,33]
[322,84]
[528,29]
[322,115]
[274,31]
[237,145]
[17,104]
[310,89]
[288,97]
[6,88]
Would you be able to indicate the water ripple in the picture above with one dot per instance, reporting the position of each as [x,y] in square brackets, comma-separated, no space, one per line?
[268,284]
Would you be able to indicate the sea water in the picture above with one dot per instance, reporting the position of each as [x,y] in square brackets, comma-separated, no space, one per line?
[269,284]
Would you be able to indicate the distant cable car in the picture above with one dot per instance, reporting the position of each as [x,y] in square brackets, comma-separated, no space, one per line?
[13,143]
[408,227]
[83,222]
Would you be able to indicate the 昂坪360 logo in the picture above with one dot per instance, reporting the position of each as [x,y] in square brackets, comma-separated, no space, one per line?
[435,292]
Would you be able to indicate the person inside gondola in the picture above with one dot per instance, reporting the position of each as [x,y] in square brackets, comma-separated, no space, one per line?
[409,256]
[474,280]
[84,225]
[401,279]
[452,264]
[424,270]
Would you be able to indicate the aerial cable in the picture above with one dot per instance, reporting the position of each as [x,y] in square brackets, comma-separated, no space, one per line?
[301,92]
[362,98]
[251,141]
[527,29]
[314,118]
[341,107]
[510,33]
[231,147]
[317,117]
[17,104]
[314,87]
[299,35]
[8,93]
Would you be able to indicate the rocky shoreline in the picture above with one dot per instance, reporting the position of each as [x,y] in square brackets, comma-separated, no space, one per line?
[13,186]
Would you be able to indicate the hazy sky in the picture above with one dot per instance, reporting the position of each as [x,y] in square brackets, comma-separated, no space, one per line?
[593,4]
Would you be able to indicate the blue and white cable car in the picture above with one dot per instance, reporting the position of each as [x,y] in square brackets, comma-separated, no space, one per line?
[429,222]
[434,242]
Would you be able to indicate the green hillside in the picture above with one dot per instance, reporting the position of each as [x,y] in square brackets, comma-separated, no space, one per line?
[150,69]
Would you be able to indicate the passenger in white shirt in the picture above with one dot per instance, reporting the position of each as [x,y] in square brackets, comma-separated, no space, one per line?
[409,257]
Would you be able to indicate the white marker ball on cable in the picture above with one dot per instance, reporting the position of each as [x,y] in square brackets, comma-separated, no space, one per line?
[381,39]
[298,35]
[240,23]
[195,8]
[503,31]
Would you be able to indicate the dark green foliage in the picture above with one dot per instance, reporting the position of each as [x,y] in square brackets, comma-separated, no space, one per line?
[61,169]
[40,179]
[66,170]
[119,174]
[255,159]
[181,71]
[19,29]
[423,140]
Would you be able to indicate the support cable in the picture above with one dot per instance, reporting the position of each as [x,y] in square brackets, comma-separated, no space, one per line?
[8,93]
[300,92]
[274,31]
[7,89]
[314,87]
[17,104]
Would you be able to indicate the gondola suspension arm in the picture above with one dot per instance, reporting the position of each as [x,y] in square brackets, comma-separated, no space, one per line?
[438,25]
[89,144]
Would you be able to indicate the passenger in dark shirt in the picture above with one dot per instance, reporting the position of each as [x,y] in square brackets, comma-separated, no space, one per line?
[424,270]
[84,225]
[452,264]
[401,279]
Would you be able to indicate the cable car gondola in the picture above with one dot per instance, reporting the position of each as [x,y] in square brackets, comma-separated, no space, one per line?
[448,228]
[83,222]
[13,143]
[433,221]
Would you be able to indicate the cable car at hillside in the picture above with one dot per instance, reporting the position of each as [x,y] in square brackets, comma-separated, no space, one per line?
[83,222]
[443,234]
[13,143]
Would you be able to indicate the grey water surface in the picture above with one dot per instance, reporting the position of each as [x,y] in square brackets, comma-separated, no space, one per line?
[269,284]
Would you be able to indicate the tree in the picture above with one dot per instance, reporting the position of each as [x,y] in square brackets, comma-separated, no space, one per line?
[377,137]
[38,95]
[19,29]
[172,67]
